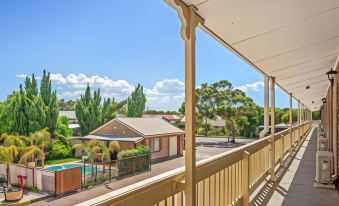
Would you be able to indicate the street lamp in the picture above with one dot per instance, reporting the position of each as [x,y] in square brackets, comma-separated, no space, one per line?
[323,100]
[330,75]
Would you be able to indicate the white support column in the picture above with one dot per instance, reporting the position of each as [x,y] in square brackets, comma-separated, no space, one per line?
[272,129]
[190,20]
[266,108]
[298,120]
[291,122]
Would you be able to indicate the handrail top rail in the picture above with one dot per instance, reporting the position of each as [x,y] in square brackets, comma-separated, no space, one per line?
[173,177]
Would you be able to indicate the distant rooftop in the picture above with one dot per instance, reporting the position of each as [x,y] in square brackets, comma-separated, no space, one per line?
[169,117]
[68,114]
[149,126]
[109,137]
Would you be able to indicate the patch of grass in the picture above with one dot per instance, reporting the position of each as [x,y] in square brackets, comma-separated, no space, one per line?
[59,161]
[100,180]
[27,187]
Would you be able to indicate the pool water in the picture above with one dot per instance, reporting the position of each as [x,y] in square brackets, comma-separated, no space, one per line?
[85,170]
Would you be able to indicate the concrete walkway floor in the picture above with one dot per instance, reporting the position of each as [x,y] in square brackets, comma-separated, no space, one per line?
[302,190]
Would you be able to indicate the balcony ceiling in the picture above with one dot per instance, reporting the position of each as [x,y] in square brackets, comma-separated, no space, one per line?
[295,41]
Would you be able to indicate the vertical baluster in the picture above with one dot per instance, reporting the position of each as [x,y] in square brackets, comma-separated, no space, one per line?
[200,194]
[217,188]
[207,191]
[233,183]
[227,186]
[222,188]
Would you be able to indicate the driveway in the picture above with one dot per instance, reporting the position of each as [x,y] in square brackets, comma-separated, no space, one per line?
[206,147]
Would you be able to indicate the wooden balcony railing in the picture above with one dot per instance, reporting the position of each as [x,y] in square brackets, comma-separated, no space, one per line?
[225,179]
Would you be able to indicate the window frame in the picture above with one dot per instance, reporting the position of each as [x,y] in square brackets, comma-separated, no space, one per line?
[152,144]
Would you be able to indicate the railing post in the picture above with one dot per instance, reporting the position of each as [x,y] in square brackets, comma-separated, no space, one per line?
[190,20]
[298,120]
[291,122]
[266,109]
[282,150]
[245,178]
[272,128]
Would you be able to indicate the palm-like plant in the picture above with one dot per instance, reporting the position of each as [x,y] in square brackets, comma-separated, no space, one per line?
[5,155]
[9,140]
[38,141]
[114,146]
[94,150]
[13,143]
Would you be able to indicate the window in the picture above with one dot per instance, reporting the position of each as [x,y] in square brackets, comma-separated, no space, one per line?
[154,144]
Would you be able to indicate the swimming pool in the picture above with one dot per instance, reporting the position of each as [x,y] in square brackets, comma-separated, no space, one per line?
[87,170]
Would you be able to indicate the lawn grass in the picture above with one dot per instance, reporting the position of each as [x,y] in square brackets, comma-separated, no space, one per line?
[59,161]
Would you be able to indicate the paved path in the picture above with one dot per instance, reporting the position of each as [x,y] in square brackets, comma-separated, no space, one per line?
[206,147]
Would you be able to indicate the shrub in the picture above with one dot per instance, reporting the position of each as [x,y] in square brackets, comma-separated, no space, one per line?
[132,165]
[59,150]
[140,150]
[201,131]
[144,149]
[62,127]
[212,133]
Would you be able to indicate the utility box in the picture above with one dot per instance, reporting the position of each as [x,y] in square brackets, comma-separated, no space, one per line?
[322,144]
[324,162]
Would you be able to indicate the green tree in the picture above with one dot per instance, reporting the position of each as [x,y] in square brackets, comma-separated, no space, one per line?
[27,110]
[108,112]
[62,127]
[136,102]
[31,87]
[316,115]
[88,112]
[94,150]
[38,142]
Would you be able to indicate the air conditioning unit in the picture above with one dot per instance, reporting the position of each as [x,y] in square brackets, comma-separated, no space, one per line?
[324,161]
[322,142]
[321,133]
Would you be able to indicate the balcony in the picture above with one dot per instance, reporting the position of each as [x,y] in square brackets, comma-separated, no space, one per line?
[293,44]
[237,177]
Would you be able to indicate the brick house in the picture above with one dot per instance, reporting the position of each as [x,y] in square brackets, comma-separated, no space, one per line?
[164,139]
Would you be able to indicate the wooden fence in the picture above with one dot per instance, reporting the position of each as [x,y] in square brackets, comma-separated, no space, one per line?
[68,180]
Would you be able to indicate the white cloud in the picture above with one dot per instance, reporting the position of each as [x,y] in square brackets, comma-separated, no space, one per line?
[21,76]
[257,86]
[166,91]
[58,78]
[71,86]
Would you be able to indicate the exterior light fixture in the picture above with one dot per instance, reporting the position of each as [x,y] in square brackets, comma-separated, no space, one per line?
[307,87]
[312,102]
[323,100]
[330,75]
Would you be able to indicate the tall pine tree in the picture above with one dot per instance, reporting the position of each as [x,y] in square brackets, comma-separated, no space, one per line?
[49,98]
[136,102]
[30,110]
[87,110]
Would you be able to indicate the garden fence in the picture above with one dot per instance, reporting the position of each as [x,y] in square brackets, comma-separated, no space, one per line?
[16,170]
[133,165]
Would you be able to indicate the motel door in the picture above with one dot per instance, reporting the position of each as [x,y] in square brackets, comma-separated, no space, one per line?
[173,146]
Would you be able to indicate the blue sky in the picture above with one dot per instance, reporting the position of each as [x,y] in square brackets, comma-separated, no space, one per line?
[112,45]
